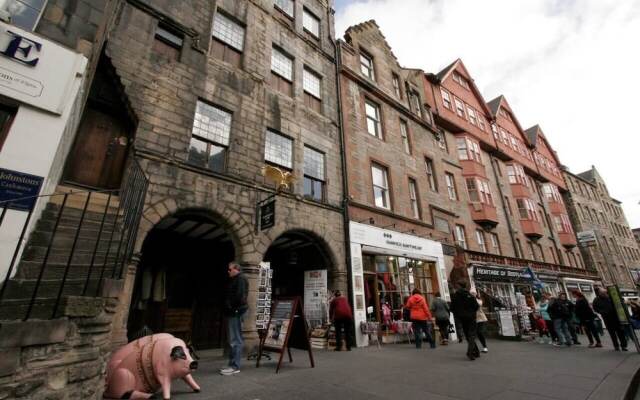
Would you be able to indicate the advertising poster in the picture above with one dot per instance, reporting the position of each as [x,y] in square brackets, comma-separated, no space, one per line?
[315,297]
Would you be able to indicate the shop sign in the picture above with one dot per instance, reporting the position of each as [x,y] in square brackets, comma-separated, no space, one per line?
[500,274]
[385,239]
[547,277]
[268,214]
[36,71]
[18,185]
[448,250]
[585,287]
[571,286]
[586,238]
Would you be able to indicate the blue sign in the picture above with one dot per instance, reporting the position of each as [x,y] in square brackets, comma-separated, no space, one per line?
[21,187]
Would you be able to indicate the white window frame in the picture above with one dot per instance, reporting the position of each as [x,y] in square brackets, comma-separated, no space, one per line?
[481,240]
[276,155]
[446,99]
[460,109]
[366,65]
[451,186]
[281,64]
[461,237]
[311,23]
[383,187]
[431,176]
[404,133]
[495,243]
[228,31]
[375,119]
[311,83]
[413,198]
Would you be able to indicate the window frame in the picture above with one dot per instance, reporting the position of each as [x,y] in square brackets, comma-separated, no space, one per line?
[431,174]
[377,120]
[285,12]
[386,191]
[460,236]
[459,107]
[404,134]
[233,21]
[370,68]
[414,198]
[446,98]
[451,186]
[395,81]
[495,243]
[481,240]
[307,71]
[308,13]
[291,153]
[210,142]
[312,178]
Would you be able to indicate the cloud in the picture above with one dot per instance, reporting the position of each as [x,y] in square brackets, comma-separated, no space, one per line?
[570,65]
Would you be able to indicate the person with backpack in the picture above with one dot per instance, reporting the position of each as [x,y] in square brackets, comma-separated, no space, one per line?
[587,318]
[421,318]
[560,311]
[440,311]
[465,308]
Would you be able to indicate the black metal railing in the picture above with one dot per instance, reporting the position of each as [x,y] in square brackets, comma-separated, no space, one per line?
[103,222]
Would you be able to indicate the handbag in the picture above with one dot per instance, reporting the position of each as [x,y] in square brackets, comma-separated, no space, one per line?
[635,323]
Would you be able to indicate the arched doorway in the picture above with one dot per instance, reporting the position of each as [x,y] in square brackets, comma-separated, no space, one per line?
[299,260]
[181,279]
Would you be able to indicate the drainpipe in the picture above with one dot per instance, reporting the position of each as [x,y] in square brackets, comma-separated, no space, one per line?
[504,208]
[343,160]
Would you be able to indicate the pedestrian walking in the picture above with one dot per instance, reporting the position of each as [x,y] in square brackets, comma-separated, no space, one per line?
[541,326]
[544,313]
[464,306]
[560,311]
[440,310]
[481,322]
[587,319]
[604,306]
[342,318]
[235,306]
[421,318]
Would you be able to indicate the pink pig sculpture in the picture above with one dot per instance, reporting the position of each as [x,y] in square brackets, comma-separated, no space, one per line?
[140,368]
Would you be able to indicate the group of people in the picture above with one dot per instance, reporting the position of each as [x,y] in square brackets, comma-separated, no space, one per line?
[560,319]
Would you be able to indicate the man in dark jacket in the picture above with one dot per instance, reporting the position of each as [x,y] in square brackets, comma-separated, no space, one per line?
[560,311]
[604,306]
[587,318]
[342,318]
[235,305]
[464,307]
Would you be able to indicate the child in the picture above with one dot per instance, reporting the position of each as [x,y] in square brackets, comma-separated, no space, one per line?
[541,325]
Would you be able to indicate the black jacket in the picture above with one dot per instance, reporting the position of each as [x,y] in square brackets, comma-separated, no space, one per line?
[464,305]
[560,309]
[604,306]
[235,302]
[584,311]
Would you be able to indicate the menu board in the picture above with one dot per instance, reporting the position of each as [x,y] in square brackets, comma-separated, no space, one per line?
[506,323]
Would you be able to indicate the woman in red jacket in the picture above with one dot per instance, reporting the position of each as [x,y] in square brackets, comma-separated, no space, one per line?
[421,318]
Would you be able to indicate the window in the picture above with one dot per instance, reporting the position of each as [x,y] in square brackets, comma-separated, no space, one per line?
[468,149]
[285,6]
[6,118]
[532,251]
[481,242]
[461,80]
[472,116]
[442,142]
[372,111]
[278,150]
[380,186]
[451,186]
[461,239]
[23,13]
[228,42]
[209,137]
[281,72]
[413,198]
[479,191]
[494,129]
[396,85]
[313,174]
[472,188]
[168,42]
[551,192]
[366,65]
[312,86]
[517,175]
[311,23]
[495,244]
[415,104]
[405,137]
[526,209]
[481,122]
[441,225]
[446,98]
[461,145]
[428,165]
[459,107]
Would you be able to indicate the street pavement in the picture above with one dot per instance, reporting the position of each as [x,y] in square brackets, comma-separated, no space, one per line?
[511,370]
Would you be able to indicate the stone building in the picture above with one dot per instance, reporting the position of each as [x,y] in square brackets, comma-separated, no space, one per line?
[607,242]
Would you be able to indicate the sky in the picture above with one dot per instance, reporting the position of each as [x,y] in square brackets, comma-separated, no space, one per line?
[572,66]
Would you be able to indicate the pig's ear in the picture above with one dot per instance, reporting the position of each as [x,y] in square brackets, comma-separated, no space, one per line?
[178,352]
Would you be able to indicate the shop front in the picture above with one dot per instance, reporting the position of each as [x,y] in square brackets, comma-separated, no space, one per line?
[40,104]
[386,267]
[587,287]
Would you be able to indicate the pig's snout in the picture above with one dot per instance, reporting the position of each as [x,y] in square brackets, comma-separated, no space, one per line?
[193,365]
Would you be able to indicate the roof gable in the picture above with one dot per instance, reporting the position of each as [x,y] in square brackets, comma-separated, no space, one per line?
[501,102]
[370,29]
[539,141]
[459,67]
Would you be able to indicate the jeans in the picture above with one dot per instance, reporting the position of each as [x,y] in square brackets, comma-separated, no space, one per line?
[591,331]
[341,324]
[443,325]
[235,340]
[480,333]
[469,327]
[561,327]
[418,328]
[552,331]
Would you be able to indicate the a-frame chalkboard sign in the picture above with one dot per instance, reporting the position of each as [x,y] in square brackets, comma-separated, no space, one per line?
[287,328]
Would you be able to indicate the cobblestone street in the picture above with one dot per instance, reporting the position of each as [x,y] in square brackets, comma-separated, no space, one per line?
[511,370]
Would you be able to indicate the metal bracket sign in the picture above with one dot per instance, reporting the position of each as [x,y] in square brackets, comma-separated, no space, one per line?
[267,211]
[20,187]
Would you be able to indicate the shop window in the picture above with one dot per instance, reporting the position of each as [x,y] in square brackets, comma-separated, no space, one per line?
[311,23]
[480,239]
[495,243]
[446,98]
[313,174]
[6,119]
[286,6]
[210,137]
[168,42]
[431,176]
[24,14]
[413,198]
[228,39]
[278,150]
[374,126]
[312,86]
[396,85]
[404,133]
[451,186]
[281,72]
[380,186]
[366,65]
[461,237]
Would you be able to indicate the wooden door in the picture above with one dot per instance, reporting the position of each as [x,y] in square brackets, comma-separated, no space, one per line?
[99,153]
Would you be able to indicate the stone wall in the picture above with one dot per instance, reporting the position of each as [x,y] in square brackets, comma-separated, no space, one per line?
[62,358]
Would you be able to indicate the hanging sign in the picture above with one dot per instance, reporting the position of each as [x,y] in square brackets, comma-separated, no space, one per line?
[18,185]
[268,213]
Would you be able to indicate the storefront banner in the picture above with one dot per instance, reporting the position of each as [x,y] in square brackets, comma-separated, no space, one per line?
[584,287]
[500,274]
[407,245]
[547,277]
[315,297]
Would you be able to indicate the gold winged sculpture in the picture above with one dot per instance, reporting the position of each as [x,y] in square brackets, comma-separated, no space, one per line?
[283,178]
